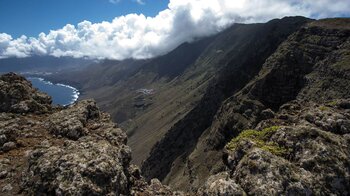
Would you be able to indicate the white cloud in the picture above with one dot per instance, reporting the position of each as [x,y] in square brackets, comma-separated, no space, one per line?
[114,1]
[141,2]
[138,36]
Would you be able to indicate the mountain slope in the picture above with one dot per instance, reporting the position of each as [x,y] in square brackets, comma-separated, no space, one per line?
[250,46]
[178,80]
[312,65]
[115,86]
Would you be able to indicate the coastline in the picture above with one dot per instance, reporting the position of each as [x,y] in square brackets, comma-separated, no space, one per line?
[76,92]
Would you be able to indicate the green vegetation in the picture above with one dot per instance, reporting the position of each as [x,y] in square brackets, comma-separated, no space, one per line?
[323,108]
[332,103]
[344,61]
[260,140]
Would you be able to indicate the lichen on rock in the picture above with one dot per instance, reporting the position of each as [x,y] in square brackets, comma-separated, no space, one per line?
[72,122]
[18,96]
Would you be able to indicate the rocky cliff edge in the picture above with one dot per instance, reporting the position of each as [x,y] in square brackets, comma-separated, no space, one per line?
[53,150]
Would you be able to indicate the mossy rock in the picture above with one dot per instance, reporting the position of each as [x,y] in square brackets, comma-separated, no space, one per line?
[323,108]
[260,140]
[332,103]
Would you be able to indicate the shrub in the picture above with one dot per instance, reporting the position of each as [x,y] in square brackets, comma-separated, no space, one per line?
[260,140]
[323,108]
[332,103]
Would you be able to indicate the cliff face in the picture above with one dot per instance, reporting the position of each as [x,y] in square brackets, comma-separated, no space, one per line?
[311,65]
[303,148]
[310,68]
[247,48]
[75,150]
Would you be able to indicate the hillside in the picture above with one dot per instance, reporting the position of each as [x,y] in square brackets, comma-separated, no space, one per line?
[248,48]
[310,69]
[178,79]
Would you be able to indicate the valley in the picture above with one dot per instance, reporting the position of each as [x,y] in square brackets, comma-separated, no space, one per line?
[185,121]
[180,80]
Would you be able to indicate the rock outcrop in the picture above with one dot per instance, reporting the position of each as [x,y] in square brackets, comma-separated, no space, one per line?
[52,150]
[303,154]
[18,96]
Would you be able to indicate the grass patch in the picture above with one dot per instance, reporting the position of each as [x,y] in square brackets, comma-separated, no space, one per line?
[323,108]
[332,103]
[343,63]
[260,140]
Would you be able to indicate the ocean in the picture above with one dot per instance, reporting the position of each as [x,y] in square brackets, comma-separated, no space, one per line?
[61,94]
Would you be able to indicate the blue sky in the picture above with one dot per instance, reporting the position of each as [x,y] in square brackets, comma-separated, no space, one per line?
[31,17]
[135,28]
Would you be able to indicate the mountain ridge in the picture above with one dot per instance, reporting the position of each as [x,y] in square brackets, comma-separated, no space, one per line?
[300,66]
[239,69]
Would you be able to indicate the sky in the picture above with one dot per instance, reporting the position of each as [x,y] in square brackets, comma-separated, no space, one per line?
[31,17]
[120,29]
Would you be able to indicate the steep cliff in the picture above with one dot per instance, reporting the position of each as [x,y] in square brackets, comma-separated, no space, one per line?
[248,46]
[311,67]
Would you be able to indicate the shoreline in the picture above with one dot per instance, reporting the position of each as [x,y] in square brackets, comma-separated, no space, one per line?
[76,92]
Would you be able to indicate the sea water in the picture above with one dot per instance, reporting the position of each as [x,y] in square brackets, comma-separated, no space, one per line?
[61,94]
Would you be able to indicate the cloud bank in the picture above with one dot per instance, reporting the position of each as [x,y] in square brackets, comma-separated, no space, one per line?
[138,36]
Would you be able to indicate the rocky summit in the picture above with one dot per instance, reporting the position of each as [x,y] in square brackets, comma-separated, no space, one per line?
[53,150]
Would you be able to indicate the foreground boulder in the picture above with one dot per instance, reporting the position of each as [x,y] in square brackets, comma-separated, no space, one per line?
[96,163]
